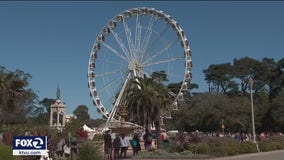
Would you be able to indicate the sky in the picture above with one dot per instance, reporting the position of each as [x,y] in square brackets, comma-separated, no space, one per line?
[52,40]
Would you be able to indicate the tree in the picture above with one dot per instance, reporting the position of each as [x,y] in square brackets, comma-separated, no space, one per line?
[219,77]
[42,113]
[81,112]
[270,75]
[139,99]
[233,80]
[243,70]
[46,103]
[147,99]
[277,112]
[160,76]
[206,112]
[81,117]
[17,101]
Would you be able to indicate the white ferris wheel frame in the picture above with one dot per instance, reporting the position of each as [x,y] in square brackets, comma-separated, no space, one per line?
[120,18]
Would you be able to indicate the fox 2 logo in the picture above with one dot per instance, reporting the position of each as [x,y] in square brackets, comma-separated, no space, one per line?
[29,142]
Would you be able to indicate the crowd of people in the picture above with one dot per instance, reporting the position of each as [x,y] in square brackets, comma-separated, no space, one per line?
[117,148]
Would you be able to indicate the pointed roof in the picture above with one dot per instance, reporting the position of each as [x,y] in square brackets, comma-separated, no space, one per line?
[58,92]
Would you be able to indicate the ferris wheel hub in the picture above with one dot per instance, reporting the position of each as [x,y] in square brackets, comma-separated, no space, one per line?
[132,66]
[135,65]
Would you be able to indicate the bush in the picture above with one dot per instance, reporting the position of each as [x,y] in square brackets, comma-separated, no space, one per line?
[272,143]
[264,146]
[199,148]
[6,153]
[177,149]
[247,147]
[203,148]
[165,146]
[191,147]
[161,154]
[89,151]
[221,146]
[226,150]
[98,137]
[270,146]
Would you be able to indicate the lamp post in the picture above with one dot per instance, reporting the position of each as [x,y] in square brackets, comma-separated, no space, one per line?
[252,110]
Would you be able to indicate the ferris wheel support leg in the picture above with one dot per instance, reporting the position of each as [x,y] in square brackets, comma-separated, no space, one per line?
[116,104]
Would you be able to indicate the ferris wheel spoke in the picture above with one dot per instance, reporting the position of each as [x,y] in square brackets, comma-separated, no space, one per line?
[115,52]
[111,62]
[155,40]
[147,35]
[121,44]
[108,73]
[154,55]
[128,37]
[163,61]
[174,75]
[107,87]
[137,35]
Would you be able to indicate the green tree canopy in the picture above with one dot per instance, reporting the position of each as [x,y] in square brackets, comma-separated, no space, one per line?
[219,78]
[82,114]
[277,111]
[17,101]
[42,113]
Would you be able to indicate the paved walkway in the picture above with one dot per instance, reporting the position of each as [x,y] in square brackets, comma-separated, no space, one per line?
[272,155]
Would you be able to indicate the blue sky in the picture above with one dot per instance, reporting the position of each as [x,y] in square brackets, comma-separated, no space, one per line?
[52,40]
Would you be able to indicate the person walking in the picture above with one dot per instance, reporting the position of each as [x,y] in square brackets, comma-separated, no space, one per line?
[108,144]
[147,140]
[67,150]
[60,145]
[116,147]
[135,144]
[124,146]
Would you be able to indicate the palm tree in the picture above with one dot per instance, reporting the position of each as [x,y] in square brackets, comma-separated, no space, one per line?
[146,100]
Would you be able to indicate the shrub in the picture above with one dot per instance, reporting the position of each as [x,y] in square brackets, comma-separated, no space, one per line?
[165,146]
[161,154]
[210,147]
[203,148]
[177,149]
[199,148]
[269,146]
[191,147]
[89,151]
[221,146]
[98,137]
[272,143]
[247,147]
[6,153]
[226,150]
[264,146]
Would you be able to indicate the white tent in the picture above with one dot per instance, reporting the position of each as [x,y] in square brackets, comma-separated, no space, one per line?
[91,132]
[88,129]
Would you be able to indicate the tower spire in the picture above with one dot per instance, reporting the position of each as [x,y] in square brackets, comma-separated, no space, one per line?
[58,92]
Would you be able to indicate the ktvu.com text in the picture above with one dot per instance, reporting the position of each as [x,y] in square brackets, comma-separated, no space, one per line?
[29,152]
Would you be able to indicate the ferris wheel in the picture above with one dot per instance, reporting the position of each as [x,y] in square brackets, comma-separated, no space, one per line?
[135,42]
